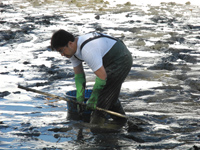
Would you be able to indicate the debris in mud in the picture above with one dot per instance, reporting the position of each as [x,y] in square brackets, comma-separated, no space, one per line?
[42,20]
[42,84]
[17,92]
[3,125]
[65,129]
[142,93]
[97,17]
[140,42]
[60,136]
[26,62]
[25,124]
[134,138]
[4,93]
[10,37]
[134,124]
[194,148]
[108,127]
[164,65]
[5,8]
[61,75]
[179,39]
[29,133]
[52,73]
[159,45]
[162,19]
[132,127]
[5,73]
[135,30]
[194,83]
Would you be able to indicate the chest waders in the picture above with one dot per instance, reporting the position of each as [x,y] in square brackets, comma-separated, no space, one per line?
[117,63]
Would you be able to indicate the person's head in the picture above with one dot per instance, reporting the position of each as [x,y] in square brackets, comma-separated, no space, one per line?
[60,39]
[64,42]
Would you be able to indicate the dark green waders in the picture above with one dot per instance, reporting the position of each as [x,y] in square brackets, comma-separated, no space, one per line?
[117,62]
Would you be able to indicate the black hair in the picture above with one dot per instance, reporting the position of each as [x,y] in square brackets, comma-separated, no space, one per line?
[60,39]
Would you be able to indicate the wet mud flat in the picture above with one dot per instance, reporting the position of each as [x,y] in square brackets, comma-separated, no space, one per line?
[161,95]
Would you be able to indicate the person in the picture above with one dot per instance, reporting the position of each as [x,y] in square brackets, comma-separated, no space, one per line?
[108,58]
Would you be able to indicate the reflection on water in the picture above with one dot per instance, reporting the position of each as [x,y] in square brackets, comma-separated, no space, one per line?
[161,94]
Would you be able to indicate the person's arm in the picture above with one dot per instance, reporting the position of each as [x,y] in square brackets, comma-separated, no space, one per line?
[101,73]
[79,69]
[80,82]
[100,82]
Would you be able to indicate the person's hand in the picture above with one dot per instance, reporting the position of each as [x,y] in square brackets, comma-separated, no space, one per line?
[80,90]
[91,103]
[98,86]
[80,107]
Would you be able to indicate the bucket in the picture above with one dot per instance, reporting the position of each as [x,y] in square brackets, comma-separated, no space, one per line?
[72,107]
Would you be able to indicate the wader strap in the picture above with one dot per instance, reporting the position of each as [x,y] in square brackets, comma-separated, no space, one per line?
[78,58]
[96,37]
[93,38]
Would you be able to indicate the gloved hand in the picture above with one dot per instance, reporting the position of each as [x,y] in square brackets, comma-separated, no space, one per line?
[98,86]
[80,90]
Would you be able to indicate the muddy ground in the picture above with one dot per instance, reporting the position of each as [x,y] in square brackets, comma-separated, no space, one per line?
[161,95]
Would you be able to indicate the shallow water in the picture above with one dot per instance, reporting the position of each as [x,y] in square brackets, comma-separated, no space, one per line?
[161,95]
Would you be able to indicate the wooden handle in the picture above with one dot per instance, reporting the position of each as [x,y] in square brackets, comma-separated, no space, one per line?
[67,99]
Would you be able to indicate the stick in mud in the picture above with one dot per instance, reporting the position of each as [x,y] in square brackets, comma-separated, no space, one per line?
[131,124]
[66,99]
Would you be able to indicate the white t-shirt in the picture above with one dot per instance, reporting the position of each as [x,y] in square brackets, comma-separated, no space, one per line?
[92,52]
